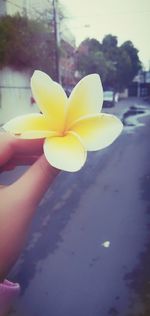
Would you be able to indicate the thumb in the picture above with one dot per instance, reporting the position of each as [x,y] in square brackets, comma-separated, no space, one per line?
[32,185]
[6,147]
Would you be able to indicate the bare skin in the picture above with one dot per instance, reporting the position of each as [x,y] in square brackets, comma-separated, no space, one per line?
[18,201]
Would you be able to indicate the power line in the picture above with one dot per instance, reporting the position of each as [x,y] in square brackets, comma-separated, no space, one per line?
[108,13]
[23,7]
[15,4]
[55,25]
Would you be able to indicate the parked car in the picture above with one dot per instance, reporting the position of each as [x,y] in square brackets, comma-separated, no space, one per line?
[110,98]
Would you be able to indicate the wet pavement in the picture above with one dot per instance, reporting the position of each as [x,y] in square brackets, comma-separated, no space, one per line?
[65,268]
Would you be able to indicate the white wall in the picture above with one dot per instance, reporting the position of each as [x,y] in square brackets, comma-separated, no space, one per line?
[15,94]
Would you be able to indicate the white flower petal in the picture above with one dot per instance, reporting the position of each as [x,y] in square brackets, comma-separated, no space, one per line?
[86,98]
[98,131]
[65,153]
[51,99]
[23,123]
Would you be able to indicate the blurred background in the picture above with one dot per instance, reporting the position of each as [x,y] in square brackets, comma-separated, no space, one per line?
[88,249]
[68,40]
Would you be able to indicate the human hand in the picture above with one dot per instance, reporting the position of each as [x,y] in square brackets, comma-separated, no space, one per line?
[15,151]
[20,199]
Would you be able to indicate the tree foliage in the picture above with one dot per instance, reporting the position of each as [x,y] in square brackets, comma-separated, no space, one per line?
[117,65]
[25,43]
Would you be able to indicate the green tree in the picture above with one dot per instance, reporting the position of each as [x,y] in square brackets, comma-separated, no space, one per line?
[117,65]
[110,47]
[132,52]
[25,44]
[91,59]
[110,50]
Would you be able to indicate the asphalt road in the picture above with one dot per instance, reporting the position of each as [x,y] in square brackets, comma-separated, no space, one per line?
[65,270]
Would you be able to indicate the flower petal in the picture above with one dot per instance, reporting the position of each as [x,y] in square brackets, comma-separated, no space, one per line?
[86,98]
[51,99]
[37,134]
[65,153]
[25,123]
[98,131]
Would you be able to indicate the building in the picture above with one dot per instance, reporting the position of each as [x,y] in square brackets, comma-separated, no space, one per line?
[15,94]
[140,86]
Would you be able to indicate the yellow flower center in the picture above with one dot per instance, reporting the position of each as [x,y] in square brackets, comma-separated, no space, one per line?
[62,133]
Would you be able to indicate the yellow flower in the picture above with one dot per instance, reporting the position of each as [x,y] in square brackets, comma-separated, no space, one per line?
[70,126]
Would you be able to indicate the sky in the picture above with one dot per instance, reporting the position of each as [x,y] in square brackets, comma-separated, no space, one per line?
[126,19]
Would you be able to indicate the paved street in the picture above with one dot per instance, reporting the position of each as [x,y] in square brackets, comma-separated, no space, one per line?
[65,270]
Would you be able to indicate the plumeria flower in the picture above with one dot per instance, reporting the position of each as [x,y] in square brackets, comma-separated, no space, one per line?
[71,126]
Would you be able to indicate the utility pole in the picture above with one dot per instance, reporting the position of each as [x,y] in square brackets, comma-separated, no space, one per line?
[56,40]
[25,8]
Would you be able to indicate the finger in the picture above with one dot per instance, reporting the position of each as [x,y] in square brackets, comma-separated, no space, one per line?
[18,160]
[28,146]
[6,147]
[31,187]
[11,145]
